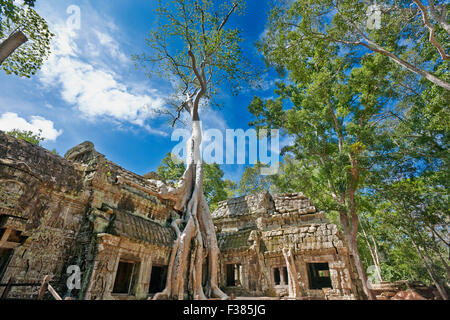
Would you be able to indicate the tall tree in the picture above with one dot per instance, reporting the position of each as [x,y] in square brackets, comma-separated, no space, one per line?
[24,38]
[420,213]
[194,48]
[331,105]
[357,119]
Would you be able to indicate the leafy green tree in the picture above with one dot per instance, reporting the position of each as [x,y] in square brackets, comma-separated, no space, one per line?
[360,122]
[418,209]
[29,136]
[169,170]
[215,188]
[411,183]
[253,181]
[230,189]
[331,105]
[24,38]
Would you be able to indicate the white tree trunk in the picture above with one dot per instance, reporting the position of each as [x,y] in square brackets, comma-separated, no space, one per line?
[197,242]
[293,285]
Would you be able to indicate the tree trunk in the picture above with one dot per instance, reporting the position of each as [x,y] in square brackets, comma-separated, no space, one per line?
[8,46]
[377,257]
[353,248]
[351,227]
[350,233]
[197,242]
[373,253]
[293,286]
[441,290]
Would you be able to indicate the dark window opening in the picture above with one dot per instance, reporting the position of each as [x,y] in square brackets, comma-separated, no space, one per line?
[16,236]
[5,257]
[276,276]
[319,275]
[233,275]
[125,277]
[158,279]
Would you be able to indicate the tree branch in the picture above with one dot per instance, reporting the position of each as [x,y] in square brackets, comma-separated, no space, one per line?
[227,16]
[427,23]
[441,19]
[373,46]
[13,42]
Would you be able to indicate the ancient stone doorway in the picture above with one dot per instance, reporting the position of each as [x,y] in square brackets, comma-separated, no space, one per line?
[276,276]
[233,275]
[158,279]
[126,277]
[319,275]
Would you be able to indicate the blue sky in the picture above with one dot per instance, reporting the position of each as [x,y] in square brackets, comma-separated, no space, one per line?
[90,90]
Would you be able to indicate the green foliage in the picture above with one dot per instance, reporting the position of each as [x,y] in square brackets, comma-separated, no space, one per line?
[29,57]
[29,136]
[8,9]
[369,136]
[252,181]
[169,170]
[330,110]
[215,188]
[298,28]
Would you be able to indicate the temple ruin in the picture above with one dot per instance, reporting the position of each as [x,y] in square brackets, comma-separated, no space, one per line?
[83,210]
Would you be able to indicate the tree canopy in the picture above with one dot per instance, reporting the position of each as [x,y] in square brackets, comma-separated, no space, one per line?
[193,50]
[24,38]
[360,123]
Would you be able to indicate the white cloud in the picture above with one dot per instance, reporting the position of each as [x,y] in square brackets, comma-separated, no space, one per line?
[10,121]
[79,67]
[112,45]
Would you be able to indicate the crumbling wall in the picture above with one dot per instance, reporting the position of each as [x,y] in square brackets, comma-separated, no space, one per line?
[42,200]
[256,237]
[61,210]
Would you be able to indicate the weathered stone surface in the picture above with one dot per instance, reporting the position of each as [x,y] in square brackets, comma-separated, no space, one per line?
[87,211]
[282,221]
[55,210]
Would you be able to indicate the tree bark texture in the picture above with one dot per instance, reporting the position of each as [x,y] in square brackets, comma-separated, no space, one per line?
[13,42]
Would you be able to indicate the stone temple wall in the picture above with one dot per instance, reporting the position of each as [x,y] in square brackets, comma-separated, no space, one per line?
[42,207]
[79,210]
[87,211]
[252,232]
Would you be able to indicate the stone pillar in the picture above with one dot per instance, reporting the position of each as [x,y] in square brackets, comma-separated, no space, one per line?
[282,279]
[241,276]
[143,281]
[237,277]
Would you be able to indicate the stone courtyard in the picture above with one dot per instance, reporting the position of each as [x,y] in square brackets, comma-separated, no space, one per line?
[86,211]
